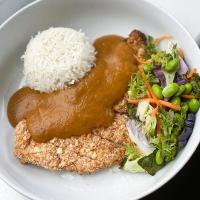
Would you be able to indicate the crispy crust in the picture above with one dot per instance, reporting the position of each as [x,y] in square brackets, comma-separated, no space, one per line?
[85,154]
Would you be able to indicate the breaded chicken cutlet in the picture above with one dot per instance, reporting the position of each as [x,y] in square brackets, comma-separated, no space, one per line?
[84,154]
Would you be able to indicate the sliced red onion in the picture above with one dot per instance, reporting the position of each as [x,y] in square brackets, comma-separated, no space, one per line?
[181,82]
[139,138]
[160,75]
[183,67]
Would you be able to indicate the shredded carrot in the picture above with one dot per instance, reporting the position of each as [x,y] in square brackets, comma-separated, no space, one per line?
[145,81]
[147,84]
[169,105]
[148,94]
[135,101]
[142,72]
[180,52]
[192,72]
[154,112]
[161,38]
[158,127]
[160,102]
[152,94]
[185,96]
[140,60]
[150,91]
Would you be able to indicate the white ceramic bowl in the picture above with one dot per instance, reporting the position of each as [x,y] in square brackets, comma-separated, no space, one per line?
[96,18]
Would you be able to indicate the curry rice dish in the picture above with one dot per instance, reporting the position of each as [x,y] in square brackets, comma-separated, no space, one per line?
[91,136]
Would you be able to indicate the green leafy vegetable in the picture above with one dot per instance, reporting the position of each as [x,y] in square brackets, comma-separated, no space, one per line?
[174,50]
[131,109]
[168,61]
[168,148]
[137,88]
[179,121]
[171,126]
[149,163]
[169,77]
[150,125]
[131,152]
[195,81]
[130,162]
[151,78]
[160,58]
[166,120]
[132,166]
[171,123]
[142,110]
[150,48]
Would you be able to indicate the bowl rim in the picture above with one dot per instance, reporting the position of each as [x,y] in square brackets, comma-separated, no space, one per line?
[172,173]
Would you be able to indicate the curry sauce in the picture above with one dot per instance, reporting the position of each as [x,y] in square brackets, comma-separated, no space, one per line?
[82,107]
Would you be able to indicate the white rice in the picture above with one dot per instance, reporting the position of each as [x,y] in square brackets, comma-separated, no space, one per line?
[57,57]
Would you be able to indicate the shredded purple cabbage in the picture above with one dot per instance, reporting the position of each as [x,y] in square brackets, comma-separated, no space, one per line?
[160,75]
[187,131]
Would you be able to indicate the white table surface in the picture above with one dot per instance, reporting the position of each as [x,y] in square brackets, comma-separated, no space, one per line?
[187,12]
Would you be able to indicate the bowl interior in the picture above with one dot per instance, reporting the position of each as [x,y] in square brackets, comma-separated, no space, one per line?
[96,18]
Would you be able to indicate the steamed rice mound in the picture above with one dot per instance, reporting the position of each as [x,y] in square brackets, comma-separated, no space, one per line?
[56,58]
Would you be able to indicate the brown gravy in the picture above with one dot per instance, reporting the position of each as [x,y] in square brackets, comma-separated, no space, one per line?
[79,108]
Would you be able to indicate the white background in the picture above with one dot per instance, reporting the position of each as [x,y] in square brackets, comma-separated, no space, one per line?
[187,12]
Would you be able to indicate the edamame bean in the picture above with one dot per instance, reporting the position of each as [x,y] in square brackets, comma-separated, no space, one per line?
[194,105]
[159,158]
[170,90]
[188,88]
[147,67]
[172,65]
[176,100]
[180,90]
[185,107]
[157,90]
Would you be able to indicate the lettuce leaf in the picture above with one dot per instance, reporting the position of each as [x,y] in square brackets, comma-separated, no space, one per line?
[166,120]
[142,109]
[195,81]
[148,163]
[137,88]
[169,77]
[132,110]
[132,166]
[168,148]
[150,125]
[131,152]
[130,163]
[150,48]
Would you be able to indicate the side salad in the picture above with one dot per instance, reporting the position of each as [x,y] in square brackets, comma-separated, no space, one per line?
[163,97]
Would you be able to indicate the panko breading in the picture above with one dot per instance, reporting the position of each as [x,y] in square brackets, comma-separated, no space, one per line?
[84,154]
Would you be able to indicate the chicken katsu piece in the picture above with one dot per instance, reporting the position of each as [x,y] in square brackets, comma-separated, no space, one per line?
[84,154]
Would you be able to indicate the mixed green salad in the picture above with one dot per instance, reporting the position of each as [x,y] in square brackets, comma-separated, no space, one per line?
[163,97]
